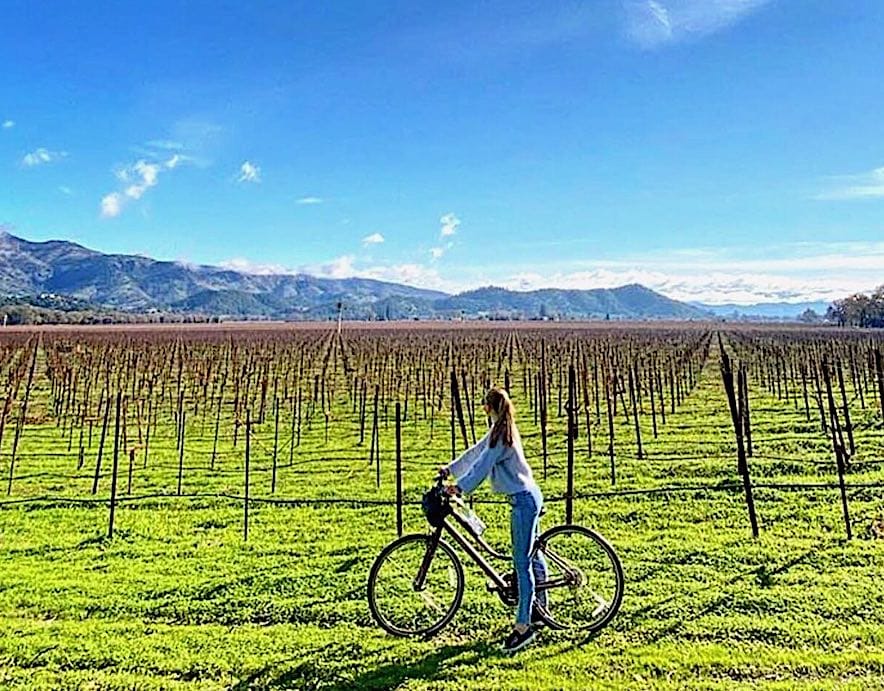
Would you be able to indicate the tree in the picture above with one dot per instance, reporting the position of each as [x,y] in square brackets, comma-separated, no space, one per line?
[809,316]
[859,310]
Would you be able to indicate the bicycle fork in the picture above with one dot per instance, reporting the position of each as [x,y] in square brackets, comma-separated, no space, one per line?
[421,578]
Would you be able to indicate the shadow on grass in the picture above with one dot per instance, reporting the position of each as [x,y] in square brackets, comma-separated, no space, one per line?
[326,671]
[697,609]
[578,640]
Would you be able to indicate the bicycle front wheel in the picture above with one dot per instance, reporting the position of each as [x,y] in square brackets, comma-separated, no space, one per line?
[584,584]
[403,603]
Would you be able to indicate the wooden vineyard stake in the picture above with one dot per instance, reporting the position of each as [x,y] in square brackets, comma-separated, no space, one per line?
[217,425]
[458,408]
[147,430]
[362,398]
[803,370]
[727,376]
[847,425]
[837,447]
[377,464]
[181,453]
[671,389]
[101,446]
[22,417]
[652,405]
[542,401]
[469,404]
[535,397]
[586,412]
[245,503]
[398,473]
[743,405]
[879,375]
[662,397]
[116,461]
[610,411]
[6,406]
[275,443]
[632,401]
[300,399]
[292,430]
[572,409]
[374,428]
[131,470]
[451,425]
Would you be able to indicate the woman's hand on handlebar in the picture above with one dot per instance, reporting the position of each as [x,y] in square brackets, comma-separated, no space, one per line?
[450,490]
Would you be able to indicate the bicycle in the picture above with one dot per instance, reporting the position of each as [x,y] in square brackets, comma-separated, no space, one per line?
[416,583]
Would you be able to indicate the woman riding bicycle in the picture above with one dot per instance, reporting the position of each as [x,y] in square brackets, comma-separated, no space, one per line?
[499,454]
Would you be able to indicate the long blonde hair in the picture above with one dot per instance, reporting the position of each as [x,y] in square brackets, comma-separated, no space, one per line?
[504,426]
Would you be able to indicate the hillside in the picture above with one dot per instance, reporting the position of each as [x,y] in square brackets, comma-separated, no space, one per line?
[139,284]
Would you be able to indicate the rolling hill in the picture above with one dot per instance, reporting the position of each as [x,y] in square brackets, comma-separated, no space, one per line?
[135,283]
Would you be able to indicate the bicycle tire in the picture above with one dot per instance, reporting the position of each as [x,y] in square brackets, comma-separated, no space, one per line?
[571,609]
[383,619]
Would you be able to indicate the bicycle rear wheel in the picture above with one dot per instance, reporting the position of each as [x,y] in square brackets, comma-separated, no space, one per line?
[399,603]
[584,585]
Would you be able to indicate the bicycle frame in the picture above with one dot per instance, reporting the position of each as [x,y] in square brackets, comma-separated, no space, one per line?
[471,551]
[500,584]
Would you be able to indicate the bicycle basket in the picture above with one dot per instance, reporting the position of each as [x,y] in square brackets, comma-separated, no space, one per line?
[434,508]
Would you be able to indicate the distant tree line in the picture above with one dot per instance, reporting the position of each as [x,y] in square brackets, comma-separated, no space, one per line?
[14,315]
[864,311]
[60,309]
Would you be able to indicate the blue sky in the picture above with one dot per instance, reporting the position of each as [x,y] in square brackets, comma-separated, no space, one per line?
[721,150]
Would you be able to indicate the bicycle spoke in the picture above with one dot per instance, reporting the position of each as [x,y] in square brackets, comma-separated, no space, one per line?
[584,582]
[398,604]
[431,601]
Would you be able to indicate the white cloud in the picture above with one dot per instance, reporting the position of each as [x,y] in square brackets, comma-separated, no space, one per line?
[448,226]
[339,267]
[715,287]
[310,200]
[249,267]
[149,173]
[449,223]
[41,156]
[861,186]
[111,205]
[137,179]
[787,272]
[165,144]
[66,191]
[782,273]
[653,23]
[8,124]
[345,266]
[417,275]
[373,239]
[249,172]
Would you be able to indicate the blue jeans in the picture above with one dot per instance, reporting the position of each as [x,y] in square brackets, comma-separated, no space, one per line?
[525,526]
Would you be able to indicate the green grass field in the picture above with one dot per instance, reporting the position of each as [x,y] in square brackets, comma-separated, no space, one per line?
[177,599]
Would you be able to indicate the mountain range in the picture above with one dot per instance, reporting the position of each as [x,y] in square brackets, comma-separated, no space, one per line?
[134,283]
[764,310]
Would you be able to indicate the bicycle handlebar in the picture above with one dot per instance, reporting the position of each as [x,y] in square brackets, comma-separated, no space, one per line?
[438,486]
